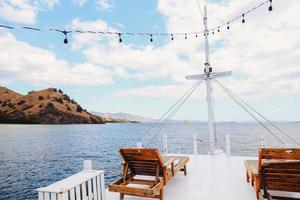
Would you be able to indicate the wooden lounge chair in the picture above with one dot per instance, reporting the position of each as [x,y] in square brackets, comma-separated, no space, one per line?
[278,169]
[146,172]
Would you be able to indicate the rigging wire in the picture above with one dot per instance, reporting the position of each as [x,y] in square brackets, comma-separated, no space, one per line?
[251,114]
[149,34]
[168,111]
[199,7]
[170,116]
[254,110]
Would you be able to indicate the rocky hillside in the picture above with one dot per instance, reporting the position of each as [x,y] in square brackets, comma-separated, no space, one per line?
[49,106]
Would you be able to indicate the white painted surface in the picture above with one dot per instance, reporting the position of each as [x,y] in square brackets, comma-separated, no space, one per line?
[91,183]
[210,177]
[87,165]
[71,182]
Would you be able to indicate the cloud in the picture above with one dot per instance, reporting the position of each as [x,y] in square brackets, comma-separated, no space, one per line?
[174,91]
[41,67]
[79,2]
[263,54]
[143,62]
[24,11]
[103,4]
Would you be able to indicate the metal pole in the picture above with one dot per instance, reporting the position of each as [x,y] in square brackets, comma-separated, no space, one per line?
[228,145]
[208,70]
[165,143]
[195,145]
[139,145]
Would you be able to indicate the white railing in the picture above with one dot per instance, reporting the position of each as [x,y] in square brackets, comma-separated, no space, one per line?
[85,185]
[195,145]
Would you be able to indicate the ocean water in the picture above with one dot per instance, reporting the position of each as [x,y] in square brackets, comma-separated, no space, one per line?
[32,156]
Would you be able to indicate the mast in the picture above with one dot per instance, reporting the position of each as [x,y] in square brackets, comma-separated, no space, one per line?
[208,76]
[209,90]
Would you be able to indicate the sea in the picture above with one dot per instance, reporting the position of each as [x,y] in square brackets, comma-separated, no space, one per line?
[33,156]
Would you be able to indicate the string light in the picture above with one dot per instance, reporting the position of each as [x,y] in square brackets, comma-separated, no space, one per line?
[66,37]
[185,34]
[270,7]
[120,38]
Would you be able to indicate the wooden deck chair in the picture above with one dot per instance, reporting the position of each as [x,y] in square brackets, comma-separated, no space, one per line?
[279,170]
[146,172]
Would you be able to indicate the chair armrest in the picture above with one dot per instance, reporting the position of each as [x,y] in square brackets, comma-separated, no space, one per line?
[169,162]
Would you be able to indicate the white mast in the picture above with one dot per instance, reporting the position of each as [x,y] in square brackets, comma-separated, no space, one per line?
[208,76]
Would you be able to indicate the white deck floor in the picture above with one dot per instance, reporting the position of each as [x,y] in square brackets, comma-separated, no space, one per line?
[209,178]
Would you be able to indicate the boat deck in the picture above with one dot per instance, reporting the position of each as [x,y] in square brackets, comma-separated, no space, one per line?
[209,178]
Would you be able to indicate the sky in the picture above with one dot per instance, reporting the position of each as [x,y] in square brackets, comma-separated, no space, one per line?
[144,78]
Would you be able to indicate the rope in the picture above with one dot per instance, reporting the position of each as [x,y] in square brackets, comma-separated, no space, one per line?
[174,112]
[245,109]
[271,123]
[169,110]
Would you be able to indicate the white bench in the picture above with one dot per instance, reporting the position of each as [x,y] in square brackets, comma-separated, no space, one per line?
[85,185]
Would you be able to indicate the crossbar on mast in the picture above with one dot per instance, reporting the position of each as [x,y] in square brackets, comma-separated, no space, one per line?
[208,76]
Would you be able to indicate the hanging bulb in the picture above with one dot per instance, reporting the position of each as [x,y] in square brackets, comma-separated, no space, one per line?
[243,21]
[172,37]
[213,31]
[185,36]
[219,29]
[151,39]
[196,35]
[270,7]
[66,41]
[228,26]
[66,38]
[120,38]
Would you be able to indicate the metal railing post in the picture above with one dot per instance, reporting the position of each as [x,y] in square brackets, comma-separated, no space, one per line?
[228,145]
[195,144]
[139,145]
[165,143]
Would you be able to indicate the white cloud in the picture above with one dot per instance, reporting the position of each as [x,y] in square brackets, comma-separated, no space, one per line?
[175,91]
[41,67]
[104,4]
[24,11]
[263,53]
[79,2]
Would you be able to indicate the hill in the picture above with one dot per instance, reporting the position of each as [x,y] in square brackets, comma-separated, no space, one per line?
[124,117]
[49,106]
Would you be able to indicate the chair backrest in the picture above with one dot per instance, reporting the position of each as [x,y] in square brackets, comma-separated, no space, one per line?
[280,169]
[281,176]
[142,161]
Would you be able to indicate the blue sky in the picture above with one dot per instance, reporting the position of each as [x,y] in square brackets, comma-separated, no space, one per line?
[146,78]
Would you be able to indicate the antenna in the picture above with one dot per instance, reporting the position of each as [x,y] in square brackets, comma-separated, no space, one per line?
[208,76]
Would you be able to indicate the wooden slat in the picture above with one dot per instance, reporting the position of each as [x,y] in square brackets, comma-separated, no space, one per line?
[102,186]
[90,194]
[53,196]
[77,191]
[63,196]
[41,195]
[98,188]
[281,153]
[84,192]
[95,191]
[72,194]
[47,196]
